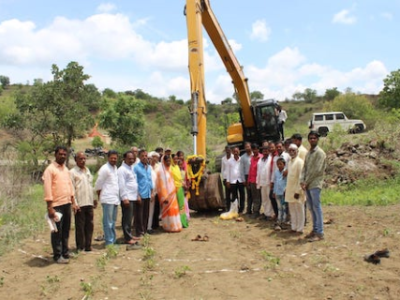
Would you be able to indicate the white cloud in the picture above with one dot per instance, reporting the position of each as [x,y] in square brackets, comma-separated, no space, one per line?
[235,45]
[286,59]
[160,68]
[387,16]
[106,8]
[288,71]
[344,17]
[260,31]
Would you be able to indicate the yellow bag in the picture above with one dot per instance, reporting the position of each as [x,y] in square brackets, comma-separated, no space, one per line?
[232,213]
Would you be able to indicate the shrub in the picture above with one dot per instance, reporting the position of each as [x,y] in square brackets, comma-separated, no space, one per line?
[97,142]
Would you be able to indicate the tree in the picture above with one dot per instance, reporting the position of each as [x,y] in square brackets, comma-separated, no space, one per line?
[109,93]
[256,95]
[227,101]
[59,109]
[297,96]
[37,81]
[389,97]
[4,81]
[97,142]
[354,106]
[31,126]
[71,101]
[331,94]
[124,120]
[309,95]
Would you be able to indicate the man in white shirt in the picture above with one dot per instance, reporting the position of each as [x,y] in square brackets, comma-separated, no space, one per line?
[264,181]
[224,172]
[128,191]
[107,189]
[235,178]
[282,116]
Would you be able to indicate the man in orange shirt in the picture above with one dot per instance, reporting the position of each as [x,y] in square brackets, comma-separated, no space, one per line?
[59,195]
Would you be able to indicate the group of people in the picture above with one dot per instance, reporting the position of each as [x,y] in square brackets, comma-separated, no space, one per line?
[149,187]
[280,179]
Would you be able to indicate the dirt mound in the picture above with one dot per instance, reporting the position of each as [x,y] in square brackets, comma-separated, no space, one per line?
[354,161]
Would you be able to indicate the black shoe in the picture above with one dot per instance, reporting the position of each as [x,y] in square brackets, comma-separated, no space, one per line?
[150,231]
[254,216]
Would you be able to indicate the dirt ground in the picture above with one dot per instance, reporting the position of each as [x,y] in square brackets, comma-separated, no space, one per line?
[241,260]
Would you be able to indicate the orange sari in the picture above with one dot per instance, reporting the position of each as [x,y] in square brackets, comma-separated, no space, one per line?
[166,191]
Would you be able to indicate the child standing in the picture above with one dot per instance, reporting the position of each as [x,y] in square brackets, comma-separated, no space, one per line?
[279,192]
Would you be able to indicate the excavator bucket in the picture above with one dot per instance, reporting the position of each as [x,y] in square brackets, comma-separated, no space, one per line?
[209,195]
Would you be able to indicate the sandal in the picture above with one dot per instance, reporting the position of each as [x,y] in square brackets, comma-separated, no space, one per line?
[373,258]
[99,238]
[383,253]
[205,238]
[197,238]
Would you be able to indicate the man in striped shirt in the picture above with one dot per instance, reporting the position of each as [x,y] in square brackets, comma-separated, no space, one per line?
[82,181]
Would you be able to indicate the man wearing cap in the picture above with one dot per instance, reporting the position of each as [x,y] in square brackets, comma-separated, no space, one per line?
[168,151]
[154,210]
[135,152]
[294,194]
[311,182]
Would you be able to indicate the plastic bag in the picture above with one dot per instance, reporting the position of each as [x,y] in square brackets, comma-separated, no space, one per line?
[52,222]
[233,213]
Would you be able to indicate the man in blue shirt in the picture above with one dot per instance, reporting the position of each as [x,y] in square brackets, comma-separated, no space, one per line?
[145,186]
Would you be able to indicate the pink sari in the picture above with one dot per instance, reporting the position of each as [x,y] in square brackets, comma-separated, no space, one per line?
[171,220]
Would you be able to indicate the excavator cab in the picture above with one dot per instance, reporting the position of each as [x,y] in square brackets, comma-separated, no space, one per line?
[266,117]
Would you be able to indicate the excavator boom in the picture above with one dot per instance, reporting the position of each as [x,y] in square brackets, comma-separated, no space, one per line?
[198,15]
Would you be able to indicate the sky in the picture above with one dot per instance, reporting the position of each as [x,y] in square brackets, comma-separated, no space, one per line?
[284,46]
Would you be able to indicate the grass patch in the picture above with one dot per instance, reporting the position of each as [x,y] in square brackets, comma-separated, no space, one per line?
[273,261]
[182,271]
[111,253]
[368,192]
[24,218]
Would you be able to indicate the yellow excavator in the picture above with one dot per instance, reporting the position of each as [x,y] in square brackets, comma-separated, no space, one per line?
[258,119]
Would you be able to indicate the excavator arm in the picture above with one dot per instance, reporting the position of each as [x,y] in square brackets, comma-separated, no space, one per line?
[199,14]
[206,189]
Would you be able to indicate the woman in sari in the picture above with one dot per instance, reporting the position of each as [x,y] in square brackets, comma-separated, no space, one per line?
[166,191]
[180,191]
[186,184]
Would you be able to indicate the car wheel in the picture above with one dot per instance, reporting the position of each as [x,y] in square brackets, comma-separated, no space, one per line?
[323,131]
[358,128]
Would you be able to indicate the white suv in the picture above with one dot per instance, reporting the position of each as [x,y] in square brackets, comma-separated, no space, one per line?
[325,122]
